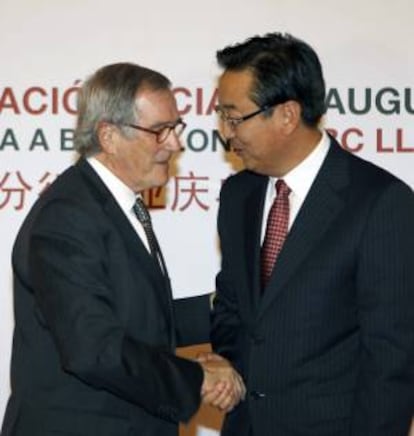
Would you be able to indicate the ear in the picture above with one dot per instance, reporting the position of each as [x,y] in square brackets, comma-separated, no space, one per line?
[291,112]
[107,137]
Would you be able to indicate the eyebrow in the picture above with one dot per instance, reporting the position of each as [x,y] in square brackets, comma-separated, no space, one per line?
[227,106]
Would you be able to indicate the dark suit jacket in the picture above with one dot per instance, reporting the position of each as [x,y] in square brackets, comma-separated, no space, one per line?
[93,348]
[329,348]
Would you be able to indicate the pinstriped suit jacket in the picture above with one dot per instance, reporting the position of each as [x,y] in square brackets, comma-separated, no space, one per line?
[329,348]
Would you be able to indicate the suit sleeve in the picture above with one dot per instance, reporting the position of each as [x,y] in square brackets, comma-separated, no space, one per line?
[68,275]
[384,400]
[192,319]
[226,325]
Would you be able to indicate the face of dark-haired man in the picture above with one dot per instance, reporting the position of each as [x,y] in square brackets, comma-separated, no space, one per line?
[265,142]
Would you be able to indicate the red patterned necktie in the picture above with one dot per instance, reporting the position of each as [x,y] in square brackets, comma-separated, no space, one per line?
[276,230]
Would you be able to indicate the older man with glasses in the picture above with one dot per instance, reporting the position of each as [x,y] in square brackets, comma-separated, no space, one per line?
[96,325]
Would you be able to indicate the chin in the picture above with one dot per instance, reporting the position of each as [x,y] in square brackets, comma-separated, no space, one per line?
[161,179]
[249,165]
[256,168]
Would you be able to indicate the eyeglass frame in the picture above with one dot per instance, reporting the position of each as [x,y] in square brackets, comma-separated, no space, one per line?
[236,121]
[158,133]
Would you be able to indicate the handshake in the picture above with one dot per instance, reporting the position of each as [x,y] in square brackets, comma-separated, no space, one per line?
[222,387]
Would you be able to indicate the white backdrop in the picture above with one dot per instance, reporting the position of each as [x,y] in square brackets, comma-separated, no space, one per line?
[48,47]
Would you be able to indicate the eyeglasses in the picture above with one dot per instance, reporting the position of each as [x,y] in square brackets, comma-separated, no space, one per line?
[163,133]
[233,122]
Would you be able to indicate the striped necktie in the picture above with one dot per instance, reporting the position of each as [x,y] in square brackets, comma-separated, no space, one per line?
[143,216]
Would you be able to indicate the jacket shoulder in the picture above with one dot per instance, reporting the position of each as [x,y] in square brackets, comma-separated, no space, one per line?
[243,183]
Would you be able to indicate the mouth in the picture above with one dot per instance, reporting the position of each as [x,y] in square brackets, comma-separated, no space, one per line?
[237,150]
[163,162]
[235,147]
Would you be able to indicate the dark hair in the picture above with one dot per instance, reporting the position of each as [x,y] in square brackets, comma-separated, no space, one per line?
[109,95]
[284,68]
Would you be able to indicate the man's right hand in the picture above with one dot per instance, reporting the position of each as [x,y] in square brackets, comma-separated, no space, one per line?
[223,387]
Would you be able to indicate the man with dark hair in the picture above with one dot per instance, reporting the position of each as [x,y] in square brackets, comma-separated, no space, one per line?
[96,325]
[315,297]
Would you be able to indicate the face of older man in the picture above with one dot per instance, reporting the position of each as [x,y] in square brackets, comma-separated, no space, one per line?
[139,160]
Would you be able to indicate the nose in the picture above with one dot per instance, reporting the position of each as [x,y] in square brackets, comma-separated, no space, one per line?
[173,142]
[227,130]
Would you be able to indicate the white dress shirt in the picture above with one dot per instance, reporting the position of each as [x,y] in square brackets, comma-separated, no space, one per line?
[299,180]
[123,195]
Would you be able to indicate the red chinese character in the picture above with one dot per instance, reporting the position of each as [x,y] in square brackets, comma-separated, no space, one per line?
[45,182]
[17,188]
[193,191]
[154,198]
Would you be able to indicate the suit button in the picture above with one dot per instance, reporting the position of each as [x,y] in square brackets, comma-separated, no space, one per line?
[256,395]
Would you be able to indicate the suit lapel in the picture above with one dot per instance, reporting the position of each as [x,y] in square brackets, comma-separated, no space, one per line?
[252,232]
[147,263]
[320,208]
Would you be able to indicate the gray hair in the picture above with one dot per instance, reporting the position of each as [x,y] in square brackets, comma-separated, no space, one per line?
[109,95]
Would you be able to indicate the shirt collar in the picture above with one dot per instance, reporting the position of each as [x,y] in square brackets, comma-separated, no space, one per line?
[124,196]
[300,178]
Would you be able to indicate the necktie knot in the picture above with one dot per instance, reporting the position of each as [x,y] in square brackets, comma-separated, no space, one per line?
[282,188]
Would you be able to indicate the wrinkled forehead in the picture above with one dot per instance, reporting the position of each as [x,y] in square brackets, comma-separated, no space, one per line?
[156,105]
